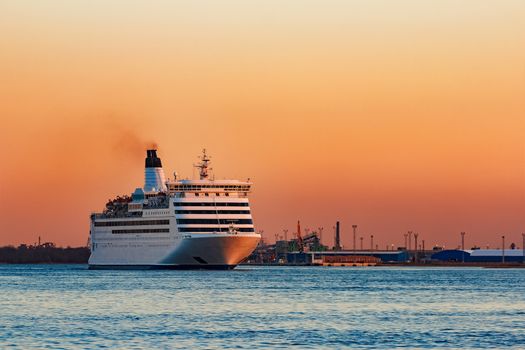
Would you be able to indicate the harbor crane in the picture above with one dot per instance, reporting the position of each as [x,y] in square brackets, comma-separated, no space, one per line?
[299,237]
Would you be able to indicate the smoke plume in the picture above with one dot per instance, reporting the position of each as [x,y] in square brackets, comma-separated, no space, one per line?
[129,142]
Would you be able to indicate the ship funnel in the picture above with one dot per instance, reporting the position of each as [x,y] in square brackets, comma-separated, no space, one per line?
[154,179]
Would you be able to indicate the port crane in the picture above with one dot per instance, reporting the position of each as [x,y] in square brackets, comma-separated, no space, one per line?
[300,246]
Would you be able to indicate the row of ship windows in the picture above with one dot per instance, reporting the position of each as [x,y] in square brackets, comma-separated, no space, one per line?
[206,194]
[214,221]
[132,223]
[179,221]
[212,212]
[209,204]
[198,187]
[214,229]
[150,230]
[183,229]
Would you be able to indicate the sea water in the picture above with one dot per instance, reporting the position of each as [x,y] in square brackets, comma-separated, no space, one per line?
[70,307]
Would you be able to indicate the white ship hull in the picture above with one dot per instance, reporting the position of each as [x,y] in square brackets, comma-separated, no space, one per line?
[219,251]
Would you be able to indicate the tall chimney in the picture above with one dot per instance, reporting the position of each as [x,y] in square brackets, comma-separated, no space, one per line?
[337,237]
[154,179]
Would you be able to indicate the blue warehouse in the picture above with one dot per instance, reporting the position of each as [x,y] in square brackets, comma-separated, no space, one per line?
[480,255]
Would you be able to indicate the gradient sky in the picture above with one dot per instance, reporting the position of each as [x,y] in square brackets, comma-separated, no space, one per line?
[393,115]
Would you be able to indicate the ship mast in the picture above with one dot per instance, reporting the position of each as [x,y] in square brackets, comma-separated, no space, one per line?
[203,165]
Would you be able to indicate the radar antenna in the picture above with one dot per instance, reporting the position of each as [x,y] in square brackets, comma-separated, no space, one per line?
[203,165]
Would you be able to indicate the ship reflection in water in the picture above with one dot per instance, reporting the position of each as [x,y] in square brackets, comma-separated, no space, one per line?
[67,306]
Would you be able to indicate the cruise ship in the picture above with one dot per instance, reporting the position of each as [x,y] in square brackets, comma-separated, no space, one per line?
[179,223]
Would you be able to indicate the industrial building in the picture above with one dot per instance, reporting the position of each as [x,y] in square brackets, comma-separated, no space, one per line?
[384,256]
[480,256]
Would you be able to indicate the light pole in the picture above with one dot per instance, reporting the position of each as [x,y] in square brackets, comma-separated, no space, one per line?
[503,249]
[523,247]
[415,242]
[371,242]
[361,238]
[335,239]
[354,228]
[463,246]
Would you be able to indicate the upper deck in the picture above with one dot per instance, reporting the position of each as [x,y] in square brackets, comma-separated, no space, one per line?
[157,192]
[227,188]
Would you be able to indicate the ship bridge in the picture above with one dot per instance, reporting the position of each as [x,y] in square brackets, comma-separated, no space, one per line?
[216,188]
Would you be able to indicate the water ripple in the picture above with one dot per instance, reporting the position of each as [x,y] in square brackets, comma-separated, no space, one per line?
[70,307]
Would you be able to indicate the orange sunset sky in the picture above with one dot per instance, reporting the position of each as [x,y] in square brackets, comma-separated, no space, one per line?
[393,115]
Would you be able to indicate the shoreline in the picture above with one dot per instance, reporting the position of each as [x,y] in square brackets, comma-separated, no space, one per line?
[429,265]
[451,265]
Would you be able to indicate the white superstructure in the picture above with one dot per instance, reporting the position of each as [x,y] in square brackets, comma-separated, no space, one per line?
[201,223]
